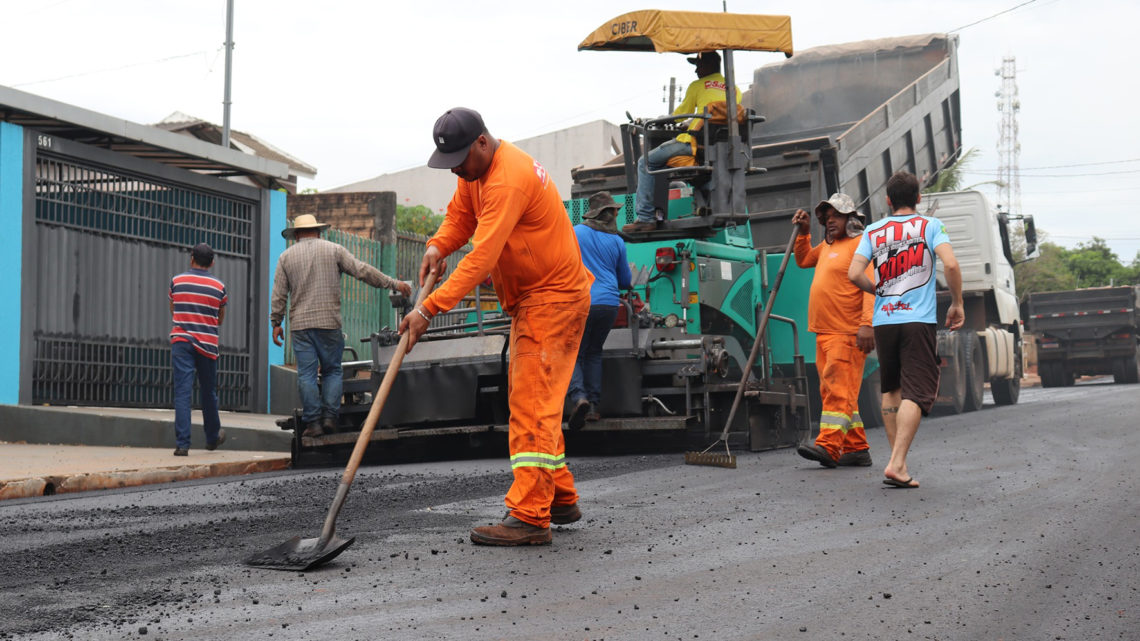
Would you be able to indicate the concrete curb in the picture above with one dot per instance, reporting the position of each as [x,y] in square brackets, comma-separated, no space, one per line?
[61,484]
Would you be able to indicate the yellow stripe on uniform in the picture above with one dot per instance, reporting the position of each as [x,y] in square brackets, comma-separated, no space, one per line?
[538,459]
[834,421]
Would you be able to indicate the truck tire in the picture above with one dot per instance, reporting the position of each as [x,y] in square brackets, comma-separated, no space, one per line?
[1125,371]
[1051,374]
[974,369]
[955,400]
[1006,391]
[871,401]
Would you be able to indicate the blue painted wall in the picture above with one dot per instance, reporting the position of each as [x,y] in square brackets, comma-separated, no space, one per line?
[277,222]
[11,255]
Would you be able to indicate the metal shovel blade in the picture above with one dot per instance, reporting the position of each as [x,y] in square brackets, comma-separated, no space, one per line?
[299,554]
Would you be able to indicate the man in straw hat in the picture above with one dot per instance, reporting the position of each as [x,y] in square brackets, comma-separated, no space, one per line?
[840,316]
[308,278]
[603,252]
[509,208]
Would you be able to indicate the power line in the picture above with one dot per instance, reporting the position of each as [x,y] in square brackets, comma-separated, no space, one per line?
[97,71]
[1081,164]
[993,16]
[1023,175]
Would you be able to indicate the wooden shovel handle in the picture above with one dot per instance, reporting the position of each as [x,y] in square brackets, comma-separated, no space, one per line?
[382,392]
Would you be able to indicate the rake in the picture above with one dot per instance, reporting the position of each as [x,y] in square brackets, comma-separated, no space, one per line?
[728,459]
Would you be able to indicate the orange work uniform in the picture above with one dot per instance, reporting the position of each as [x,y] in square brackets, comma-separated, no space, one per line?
[836,310]
[522,235]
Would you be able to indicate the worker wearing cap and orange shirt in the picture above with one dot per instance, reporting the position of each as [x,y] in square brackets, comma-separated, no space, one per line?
[509,208]
[840,316]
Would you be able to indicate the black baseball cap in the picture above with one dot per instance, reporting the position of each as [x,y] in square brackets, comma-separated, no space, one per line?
[453,134]
[202,254]
[710,56]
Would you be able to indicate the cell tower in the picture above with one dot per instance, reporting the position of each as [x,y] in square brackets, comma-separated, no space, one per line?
[1009,150]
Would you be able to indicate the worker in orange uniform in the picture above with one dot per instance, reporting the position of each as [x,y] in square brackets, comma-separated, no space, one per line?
[509,208]
[840,316]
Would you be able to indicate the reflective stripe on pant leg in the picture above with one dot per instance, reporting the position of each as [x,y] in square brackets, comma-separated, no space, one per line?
[855,439]
[832,363]
[544,346]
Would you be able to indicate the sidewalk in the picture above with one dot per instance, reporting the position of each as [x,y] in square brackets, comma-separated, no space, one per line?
[52,450]
[39,470]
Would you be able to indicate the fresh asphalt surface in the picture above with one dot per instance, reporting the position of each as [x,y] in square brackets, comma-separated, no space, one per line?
[1025,527]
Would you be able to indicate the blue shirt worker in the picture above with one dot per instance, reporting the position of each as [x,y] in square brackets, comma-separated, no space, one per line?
[197,308]
[603,253]
[902,249]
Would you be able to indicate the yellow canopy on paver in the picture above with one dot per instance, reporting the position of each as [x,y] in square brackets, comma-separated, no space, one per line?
[691,32]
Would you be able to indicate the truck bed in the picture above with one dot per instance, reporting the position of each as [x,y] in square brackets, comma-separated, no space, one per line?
[1083,314]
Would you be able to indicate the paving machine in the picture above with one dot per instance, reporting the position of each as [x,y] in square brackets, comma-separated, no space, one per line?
[671,373]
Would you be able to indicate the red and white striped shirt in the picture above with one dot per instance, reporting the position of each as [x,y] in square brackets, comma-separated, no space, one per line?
[198,297]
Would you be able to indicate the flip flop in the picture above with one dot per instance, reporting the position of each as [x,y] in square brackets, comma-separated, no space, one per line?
[906,485]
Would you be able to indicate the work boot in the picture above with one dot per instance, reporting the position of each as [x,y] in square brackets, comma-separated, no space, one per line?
[593,416]
[814,452]
[221,439]
[313,430]
[564,514]
[578,414]
[181,451]
[329,426]
[511,532]
[861,458]
[639,226]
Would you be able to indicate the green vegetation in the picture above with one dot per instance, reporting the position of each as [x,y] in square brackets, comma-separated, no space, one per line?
[417,219]
[1090,264]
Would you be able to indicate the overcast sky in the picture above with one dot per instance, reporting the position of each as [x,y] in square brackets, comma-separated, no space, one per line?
[353,87]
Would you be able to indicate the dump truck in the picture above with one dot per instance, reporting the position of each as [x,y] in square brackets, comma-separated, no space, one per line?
[1085,332]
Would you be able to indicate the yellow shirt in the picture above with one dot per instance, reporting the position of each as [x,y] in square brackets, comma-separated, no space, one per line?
[700,93]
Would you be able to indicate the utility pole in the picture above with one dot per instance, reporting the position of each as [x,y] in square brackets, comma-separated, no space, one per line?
[229,63]
[1009,149]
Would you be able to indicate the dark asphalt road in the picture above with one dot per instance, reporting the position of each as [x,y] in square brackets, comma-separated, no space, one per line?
[1026,527]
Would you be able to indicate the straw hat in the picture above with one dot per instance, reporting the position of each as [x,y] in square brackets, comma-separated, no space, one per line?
[304,221]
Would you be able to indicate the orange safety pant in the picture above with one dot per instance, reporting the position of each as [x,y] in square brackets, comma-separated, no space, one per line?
[840,365]
[544,347]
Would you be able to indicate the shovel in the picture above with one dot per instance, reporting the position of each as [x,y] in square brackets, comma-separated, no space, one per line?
[728,459]
[299,554]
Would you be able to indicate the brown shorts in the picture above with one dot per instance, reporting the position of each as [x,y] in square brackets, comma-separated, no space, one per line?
[908,359]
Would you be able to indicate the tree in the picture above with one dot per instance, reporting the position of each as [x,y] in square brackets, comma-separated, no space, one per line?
[1094,264]
[950,178]
[1049,272]
[417,219]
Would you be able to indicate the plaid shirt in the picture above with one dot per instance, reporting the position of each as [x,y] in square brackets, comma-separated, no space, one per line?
[308,276]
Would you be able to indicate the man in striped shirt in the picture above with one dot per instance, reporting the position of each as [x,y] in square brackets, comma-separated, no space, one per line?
[197,307]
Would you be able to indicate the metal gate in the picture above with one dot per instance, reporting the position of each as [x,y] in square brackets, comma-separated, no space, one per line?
[110,232]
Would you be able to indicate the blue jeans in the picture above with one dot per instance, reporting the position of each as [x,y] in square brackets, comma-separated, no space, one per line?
[185,361]
[587,379]
[319,349]
[646,208]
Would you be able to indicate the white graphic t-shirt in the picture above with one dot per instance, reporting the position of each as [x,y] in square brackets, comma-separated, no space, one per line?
[901,249]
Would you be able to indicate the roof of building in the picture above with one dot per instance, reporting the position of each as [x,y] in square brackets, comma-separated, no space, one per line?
[100,130]
[201,129]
